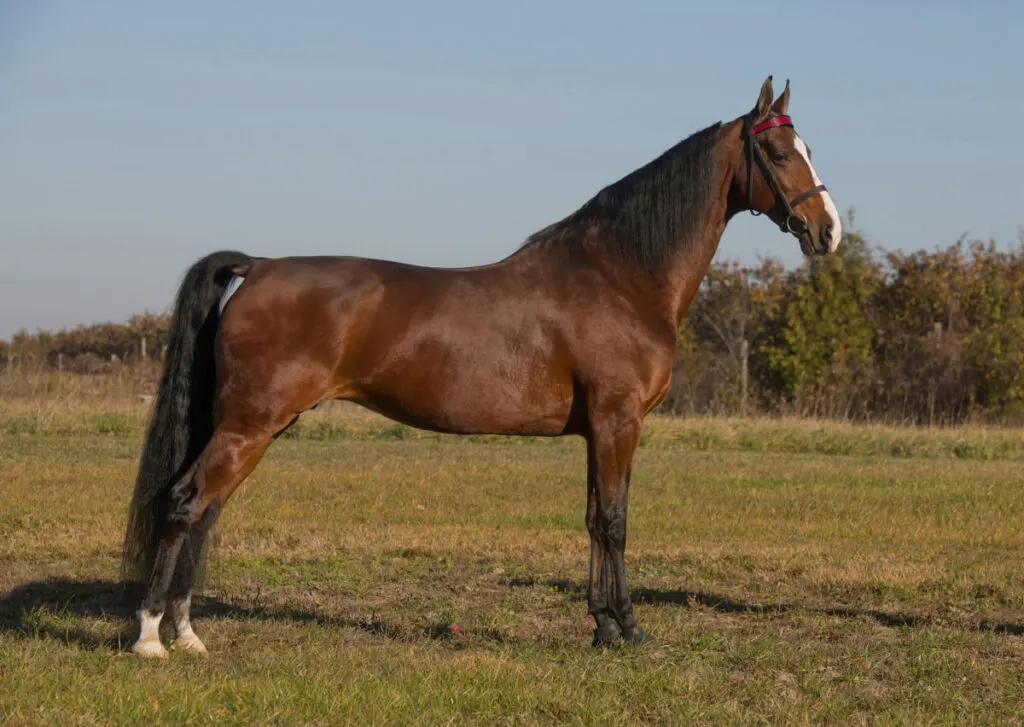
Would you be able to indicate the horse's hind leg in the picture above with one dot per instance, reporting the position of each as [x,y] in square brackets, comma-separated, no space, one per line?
[226,461]
[184,578]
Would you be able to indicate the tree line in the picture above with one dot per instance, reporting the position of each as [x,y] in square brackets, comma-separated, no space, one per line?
[88,349]
[919,337]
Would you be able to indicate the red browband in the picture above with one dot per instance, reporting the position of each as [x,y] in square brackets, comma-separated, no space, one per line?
[777,121]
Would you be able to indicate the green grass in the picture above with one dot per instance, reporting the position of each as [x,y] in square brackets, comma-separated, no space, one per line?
[790,572]
[106,415]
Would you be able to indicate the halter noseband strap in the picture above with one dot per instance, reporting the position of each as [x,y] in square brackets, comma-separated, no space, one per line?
[793,223]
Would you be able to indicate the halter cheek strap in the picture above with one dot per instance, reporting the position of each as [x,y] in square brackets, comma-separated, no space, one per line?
[793,223]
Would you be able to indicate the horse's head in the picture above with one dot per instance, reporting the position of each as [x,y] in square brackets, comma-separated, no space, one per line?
[775,176]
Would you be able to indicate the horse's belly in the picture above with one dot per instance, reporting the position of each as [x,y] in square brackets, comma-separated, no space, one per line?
[464,406]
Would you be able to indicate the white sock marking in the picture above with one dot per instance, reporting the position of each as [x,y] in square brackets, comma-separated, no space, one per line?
[182,623]
[149,636]
[150,626]
[186,639]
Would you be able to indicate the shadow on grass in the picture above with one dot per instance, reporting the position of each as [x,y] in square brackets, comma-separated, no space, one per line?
[725,604]
[40,609]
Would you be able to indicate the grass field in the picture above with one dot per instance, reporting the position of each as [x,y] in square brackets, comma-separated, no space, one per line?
[791,572]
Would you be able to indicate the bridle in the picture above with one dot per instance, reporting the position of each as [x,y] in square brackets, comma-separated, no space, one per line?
[793,222]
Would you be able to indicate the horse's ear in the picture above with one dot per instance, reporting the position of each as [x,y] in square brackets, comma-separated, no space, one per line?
[781,105]
[764,102]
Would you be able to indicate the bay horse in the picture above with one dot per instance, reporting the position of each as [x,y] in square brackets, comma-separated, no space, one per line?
[573,334]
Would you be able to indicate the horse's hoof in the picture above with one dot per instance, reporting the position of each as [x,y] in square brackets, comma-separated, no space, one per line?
[636,636]
[189,643]
[607,634]
[151,648]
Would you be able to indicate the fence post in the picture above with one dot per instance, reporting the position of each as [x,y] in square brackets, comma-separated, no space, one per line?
[60,361]
[142,349]
[744,372]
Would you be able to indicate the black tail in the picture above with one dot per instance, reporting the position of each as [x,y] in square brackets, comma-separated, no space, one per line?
[182,418]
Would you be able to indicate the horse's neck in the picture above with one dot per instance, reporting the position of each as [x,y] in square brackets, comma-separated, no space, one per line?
[671,289]
[682,278]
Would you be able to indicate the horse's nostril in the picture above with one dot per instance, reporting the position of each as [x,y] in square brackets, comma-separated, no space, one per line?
[826,234]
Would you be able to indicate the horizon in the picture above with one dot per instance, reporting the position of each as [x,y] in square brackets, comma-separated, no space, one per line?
[135,140]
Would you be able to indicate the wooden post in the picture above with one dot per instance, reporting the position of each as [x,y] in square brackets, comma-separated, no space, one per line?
[142,349]
[937,328]
[60,361]
[744,371]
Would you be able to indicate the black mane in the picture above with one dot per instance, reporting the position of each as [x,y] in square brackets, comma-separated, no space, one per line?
[647,213]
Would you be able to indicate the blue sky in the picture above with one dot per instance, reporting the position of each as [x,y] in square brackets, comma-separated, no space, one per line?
[135,138]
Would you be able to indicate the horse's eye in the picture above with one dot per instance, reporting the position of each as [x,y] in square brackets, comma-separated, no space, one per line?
[776,153]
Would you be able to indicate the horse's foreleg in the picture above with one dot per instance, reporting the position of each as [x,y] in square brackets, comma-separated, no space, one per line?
[607,630]
[614,437]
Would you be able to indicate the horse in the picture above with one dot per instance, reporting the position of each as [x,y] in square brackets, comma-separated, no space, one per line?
[572,334]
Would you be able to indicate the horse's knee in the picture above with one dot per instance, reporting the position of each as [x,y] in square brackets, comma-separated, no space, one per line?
[615,527]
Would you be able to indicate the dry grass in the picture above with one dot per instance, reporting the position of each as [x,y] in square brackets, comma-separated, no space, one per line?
[790,571]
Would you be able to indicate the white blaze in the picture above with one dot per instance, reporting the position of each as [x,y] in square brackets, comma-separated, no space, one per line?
[830,206]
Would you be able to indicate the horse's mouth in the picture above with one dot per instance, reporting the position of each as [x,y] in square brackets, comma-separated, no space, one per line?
[808,246]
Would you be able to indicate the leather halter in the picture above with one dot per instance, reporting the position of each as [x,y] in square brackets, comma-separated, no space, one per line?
[793,223]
